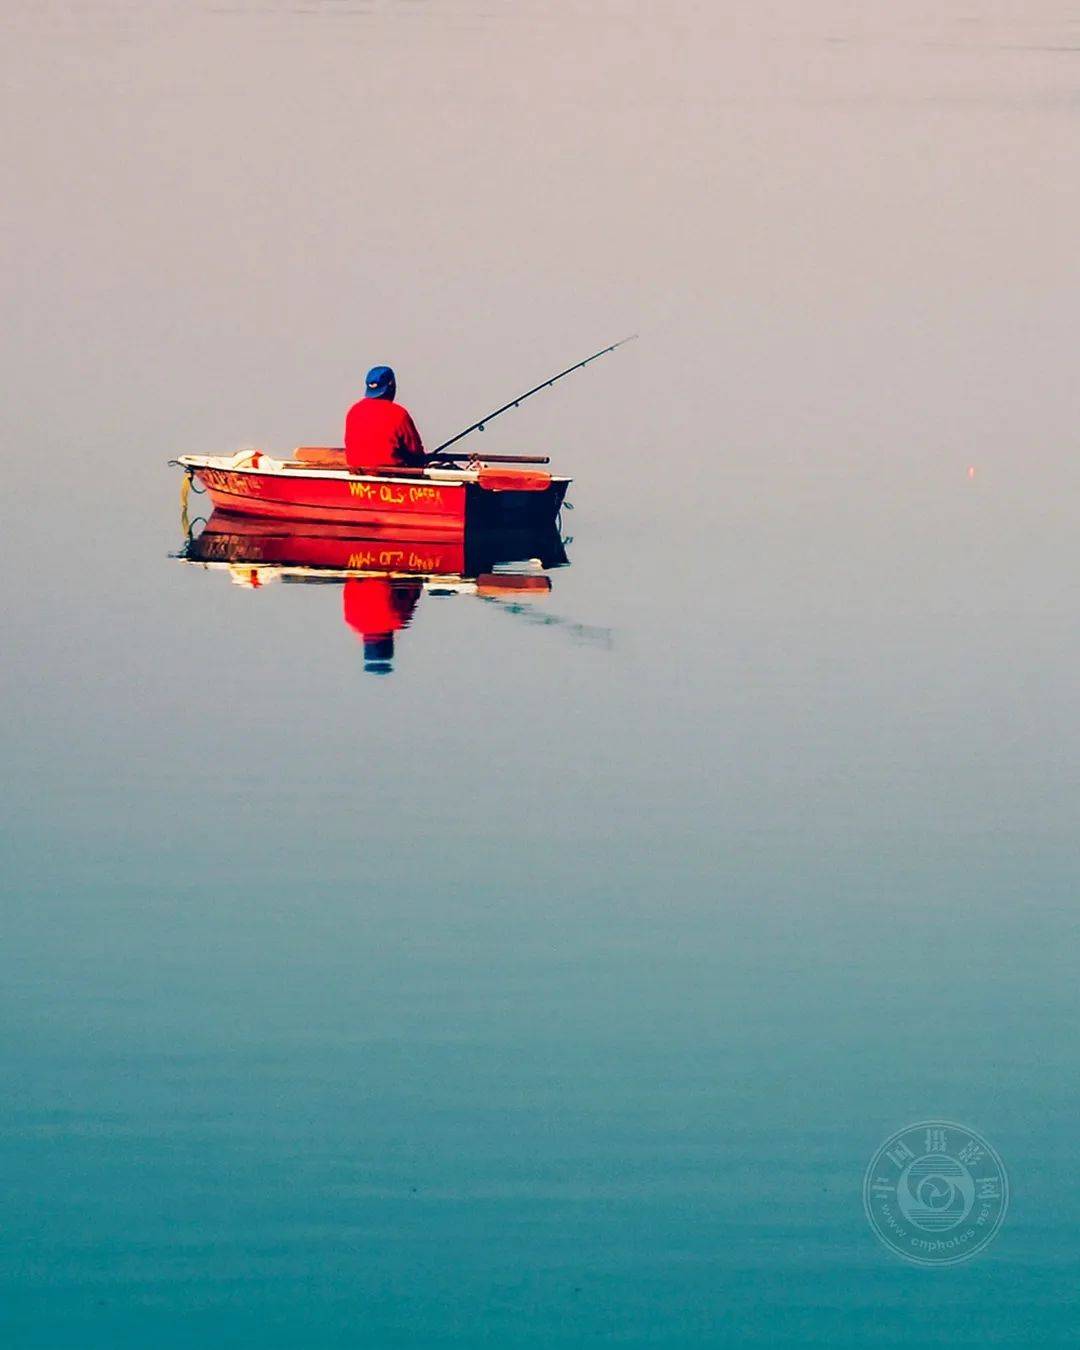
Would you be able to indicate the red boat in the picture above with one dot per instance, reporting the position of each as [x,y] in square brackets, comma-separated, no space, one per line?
[433,502]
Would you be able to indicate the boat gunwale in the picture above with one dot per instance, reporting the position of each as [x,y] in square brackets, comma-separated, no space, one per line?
[223,464]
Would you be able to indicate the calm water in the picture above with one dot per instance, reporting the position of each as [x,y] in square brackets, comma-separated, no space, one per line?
[557,989]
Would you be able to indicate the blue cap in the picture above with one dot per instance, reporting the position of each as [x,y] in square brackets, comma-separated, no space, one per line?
[380,383]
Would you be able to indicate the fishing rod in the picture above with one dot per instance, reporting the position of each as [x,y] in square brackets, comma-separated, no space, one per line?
[514,402]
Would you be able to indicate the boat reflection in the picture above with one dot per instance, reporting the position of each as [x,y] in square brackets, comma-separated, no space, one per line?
[383,579]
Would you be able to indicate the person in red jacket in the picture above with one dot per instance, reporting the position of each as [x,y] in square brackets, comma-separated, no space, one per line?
[379,433]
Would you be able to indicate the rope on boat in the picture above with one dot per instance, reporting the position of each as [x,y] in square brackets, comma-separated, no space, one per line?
[187,486]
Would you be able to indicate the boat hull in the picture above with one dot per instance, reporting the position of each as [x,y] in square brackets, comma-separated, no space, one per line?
[514,510]
[398,506]
[389,504]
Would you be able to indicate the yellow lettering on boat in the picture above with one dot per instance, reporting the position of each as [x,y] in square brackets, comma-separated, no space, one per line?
[229,545]
[394,560]
[395,496]
[239,484]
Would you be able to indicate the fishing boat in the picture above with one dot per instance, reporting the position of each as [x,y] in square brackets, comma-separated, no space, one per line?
[314,484]
[452,492]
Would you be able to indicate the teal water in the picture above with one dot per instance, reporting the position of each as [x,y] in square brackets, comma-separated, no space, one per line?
[557,989]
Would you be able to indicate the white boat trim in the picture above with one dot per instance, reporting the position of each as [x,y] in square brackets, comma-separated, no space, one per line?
[282,469]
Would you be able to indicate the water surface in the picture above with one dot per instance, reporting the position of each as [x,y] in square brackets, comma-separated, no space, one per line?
[557,988]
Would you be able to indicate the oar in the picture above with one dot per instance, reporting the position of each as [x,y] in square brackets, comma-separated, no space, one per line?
[324,455]
[493,480]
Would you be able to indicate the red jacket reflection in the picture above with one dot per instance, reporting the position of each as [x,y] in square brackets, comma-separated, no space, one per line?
[376,607]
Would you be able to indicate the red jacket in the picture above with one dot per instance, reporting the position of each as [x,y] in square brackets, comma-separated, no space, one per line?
[376,606]
[380,434]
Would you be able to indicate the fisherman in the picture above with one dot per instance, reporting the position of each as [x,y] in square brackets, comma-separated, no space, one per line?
[379,433]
